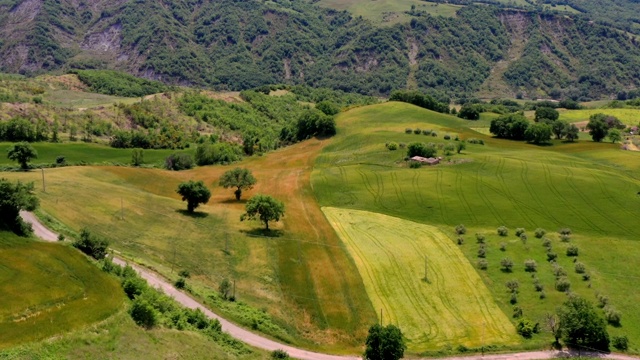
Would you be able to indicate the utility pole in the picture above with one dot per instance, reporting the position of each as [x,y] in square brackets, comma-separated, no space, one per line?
[425,268]
[44,189]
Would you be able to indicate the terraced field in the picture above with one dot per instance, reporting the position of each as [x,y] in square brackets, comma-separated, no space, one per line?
[50,289]
[452,306]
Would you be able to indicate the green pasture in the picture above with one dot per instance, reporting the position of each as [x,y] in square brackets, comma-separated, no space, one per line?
[564,8]
[389,12]
[589,187]
[453,306]
[79,152]
[50,289]
[627,116]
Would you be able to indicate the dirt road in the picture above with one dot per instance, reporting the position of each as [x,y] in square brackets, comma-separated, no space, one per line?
[261,342]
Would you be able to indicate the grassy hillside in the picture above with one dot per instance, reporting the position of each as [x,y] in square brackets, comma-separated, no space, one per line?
[48,289]
[308,287]
[629,117]
[588,187]
[451,306]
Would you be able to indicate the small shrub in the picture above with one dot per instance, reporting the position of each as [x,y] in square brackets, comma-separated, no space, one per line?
[503,246]
[447,137]
[543,295]
[564,231]
[61,160]
[426,132]
[538,287]
[225,288]
[519,231]
[417,131]
[517,312]
[415,165]
[524,238]
[580,268]
[539,233]
[184,273]
[546,242]
[602,300]
[514,298]
[586,277]
[506,264]
[461,230]
[460,240]
[526,328]
[408,131]
[565,237]
[434,134]
[482,252]
[402,145]
[512,285]
[503,231]
[551,256]
[279,354]
[572,250]
[530,265]
[143,313]
[91,245]
[620,342]
[457,138]
[558,271]
[133,286]
[180,283]
[178,162]
[563,284]
[480,238]
[612,315]
[392,146]
[483,264]
[61,237]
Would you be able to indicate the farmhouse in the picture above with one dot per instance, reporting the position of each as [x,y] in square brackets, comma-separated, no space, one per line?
[430,161]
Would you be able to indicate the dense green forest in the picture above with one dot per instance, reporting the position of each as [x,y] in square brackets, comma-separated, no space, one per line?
[239,45]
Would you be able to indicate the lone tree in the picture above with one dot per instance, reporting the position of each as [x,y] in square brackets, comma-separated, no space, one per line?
[241,179]
[15,197]
[23,153]
[265,208]
[614,135]
[384,343]
[195,193]
[581,325]
[571,132]
[598,128]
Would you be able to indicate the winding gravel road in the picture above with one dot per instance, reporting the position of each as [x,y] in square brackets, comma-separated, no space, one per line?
[261,342]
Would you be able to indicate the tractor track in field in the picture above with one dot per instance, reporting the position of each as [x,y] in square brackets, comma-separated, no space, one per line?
[479,189]
[524,176]
[264,343]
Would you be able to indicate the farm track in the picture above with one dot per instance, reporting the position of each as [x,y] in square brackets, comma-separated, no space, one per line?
[261,342]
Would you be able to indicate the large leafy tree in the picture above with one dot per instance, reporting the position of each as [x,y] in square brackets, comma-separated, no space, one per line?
[23,153]
[546,113]
[15,197]
[194,193]
[538,133]
[384,343]
[581,326]
[239,178]
[571,132]
[265,208]
[598,128]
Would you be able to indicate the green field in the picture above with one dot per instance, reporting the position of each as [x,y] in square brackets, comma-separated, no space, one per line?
[80,152]
[83,100]
[389,12]
[627,116]
[452,306]
[586,186]
[565,8]
[50,289]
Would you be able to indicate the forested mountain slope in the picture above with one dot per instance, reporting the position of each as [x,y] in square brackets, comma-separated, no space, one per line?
[237,45]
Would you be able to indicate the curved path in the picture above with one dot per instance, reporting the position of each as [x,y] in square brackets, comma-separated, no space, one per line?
[261,342]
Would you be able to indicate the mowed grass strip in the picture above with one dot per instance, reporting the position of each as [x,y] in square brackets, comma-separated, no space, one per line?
[49,289]
[452,307]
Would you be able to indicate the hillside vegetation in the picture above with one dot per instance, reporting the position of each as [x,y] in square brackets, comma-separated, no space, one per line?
[240,45]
